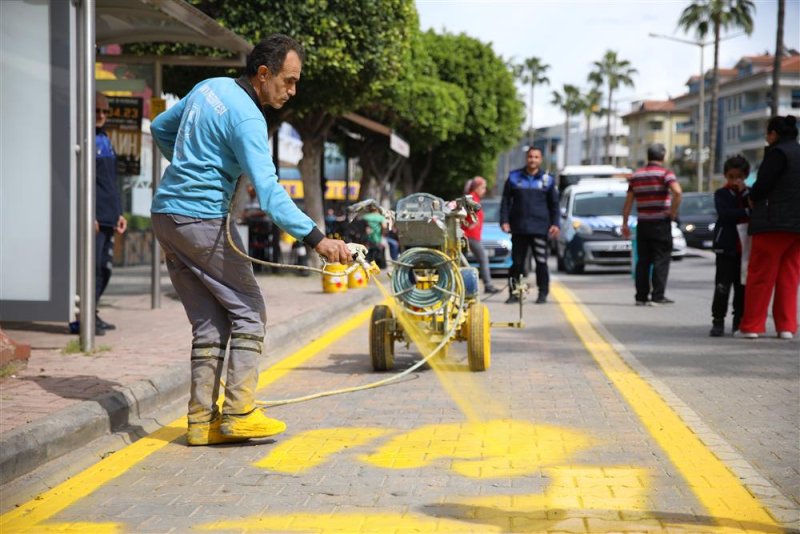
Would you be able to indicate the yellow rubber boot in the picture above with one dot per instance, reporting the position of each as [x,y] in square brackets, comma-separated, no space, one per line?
[251,425]
[209,433]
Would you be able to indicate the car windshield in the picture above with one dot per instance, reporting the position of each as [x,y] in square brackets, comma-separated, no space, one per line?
[599,203]
[698,205]
[491,211]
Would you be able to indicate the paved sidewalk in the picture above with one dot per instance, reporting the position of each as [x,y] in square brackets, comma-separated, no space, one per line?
[62,401]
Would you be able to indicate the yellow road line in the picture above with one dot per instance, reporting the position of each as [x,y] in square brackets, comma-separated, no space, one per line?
[715,486]
[46,505]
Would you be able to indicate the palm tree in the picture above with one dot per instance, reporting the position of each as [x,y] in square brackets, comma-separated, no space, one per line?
[716,15]
[570,103]
[590,105]
[614,72]
[776,67]
[532,72]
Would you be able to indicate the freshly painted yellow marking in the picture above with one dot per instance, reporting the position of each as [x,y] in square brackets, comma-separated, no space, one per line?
[314,447]
[493,449]
[717,488]
[348,524]
[28,516]
[277,371]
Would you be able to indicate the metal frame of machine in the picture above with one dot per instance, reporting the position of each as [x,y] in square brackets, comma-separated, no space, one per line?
[433,283]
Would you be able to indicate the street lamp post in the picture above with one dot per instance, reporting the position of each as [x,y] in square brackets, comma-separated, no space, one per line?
[702,106]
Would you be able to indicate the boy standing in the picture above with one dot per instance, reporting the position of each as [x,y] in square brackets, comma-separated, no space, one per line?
[731,202]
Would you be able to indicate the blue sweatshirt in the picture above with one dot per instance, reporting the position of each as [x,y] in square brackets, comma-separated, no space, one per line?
[212,136]
[107,202]
[529,203]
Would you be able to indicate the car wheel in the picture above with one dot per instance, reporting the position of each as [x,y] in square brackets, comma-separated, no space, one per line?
[571,264]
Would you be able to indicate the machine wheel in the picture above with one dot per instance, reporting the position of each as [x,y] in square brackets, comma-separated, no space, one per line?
[479,342]
[381,340]
[571,265]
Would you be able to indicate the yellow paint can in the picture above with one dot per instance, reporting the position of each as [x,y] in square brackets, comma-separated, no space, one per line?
[334,280]
[357,278]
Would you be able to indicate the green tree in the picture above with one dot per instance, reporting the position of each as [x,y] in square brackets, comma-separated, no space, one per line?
[532,73]
[569,101]
[419,106]
[492,118]
[354,49]
[614,73]
[704,16]
[590,106]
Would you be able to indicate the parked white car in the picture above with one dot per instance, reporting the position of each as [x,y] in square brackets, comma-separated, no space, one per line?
[591,227]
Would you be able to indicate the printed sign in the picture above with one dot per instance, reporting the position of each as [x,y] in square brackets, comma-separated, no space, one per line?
[124,127]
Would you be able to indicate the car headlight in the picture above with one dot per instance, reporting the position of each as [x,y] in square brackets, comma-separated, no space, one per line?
[581,228]
[689,228]
[505,243]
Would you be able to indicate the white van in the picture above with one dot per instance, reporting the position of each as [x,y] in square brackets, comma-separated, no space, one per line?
[572,174]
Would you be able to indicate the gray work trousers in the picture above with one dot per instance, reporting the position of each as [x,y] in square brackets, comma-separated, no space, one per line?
[483,260]
[223,303]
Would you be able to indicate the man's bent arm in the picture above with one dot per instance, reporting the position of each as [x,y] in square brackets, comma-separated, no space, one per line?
[677,194]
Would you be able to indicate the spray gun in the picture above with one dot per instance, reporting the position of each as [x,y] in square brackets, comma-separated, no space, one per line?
[359,255]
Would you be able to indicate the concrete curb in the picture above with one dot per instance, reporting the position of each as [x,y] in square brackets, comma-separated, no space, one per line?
[25,448]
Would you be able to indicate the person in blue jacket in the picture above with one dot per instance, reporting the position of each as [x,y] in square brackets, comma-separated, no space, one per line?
[529,211]
[211,137]
[732,204]
[108,211]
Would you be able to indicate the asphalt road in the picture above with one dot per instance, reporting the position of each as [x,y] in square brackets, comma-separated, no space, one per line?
[597,416]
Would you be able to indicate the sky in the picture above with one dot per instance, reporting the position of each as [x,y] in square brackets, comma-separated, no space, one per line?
[569,35]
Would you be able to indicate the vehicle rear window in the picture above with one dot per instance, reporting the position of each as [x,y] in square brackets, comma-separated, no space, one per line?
[491,211]
[599,204]
[698,205]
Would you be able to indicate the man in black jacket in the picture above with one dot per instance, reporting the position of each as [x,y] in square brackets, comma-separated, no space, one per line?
[529,211]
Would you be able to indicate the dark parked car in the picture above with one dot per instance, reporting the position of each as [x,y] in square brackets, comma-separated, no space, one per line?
[697,219]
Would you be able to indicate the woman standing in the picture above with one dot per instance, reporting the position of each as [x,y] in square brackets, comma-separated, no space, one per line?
[775,227]
[476,188]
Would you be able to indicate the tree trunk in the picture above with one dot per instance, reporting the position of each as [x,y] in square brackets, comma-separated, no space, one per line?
[608,126]
[532,137]
[566,141]
[712,133]
[776,66]
[589,139]
[311,171]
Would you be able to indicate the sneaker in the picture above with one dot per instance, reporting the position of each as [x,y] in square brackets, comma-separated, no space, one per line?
[491,290]
[663,300]
[717,330]
[748,335]
[99,323]
[512,299]
[209,433]
[541,299]
[785,335]
[643,303]
[251,425]
[75,328]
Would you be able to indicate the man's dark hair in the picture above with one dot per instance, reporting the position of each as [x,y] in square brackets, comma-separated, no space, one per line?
[656,152]
[736,162]
[783,126]
[271,52]
[536,148]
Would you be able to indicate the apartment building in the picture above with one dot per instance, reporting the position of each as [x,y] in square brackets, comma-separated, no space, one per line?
[656,121]
[745,96]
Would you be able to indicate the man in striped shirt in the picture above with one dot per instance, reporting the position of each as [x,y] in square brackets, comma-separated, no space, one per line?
[658,196]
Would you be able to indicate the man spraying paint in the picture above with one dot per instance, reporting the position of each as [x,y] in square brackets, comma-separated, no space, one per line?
[211,137]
